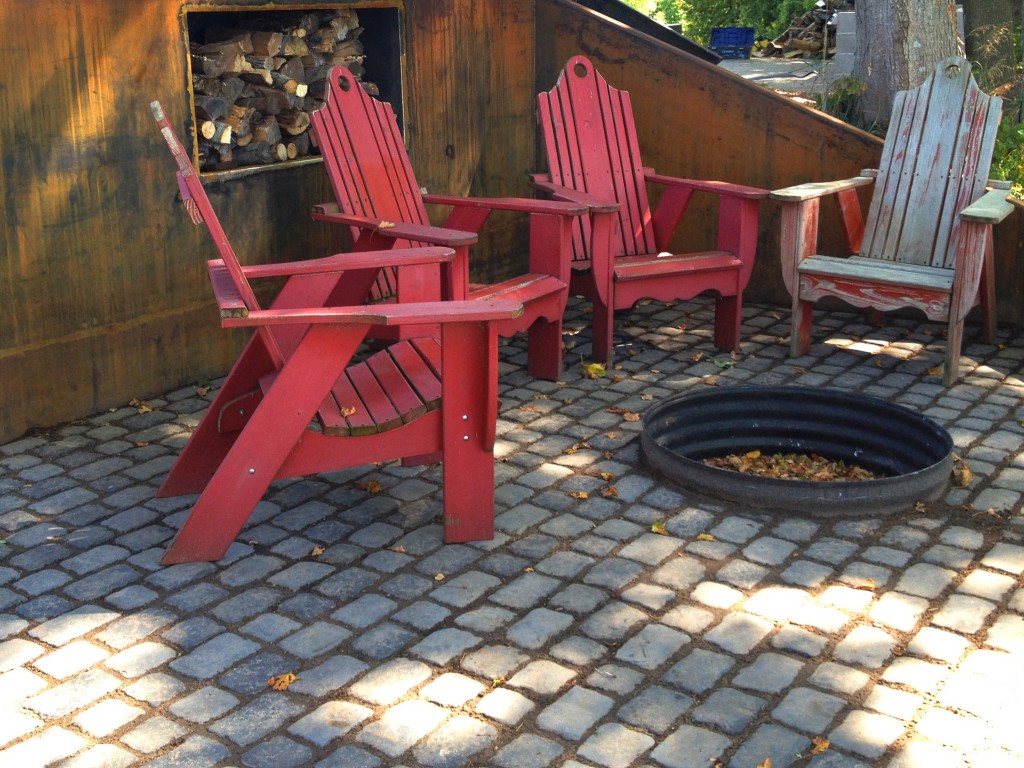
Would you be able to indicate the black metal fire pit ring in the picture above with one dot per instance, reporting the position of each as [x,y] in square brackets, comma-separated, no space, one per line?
[910,453]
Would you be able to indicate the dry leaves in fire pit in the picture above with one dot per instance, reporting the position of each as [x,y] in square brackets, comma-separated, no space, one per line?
[790,466]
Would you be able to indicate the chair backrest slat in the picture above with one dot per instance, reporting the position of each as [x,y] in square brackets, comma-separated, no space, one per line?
[935,160]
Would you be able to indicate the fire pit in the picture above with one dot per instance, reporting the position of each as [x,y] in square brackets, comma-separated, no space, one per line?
[909,454]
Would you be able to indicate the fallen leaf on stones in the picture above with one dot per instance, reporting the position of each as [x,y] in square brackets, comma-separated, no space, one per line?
[398,548]
[766,764]
[935,372]
[595,371]
[865,584]
[820,745]
[659,528]
[610,492]
[631,416]
[578,494]
[646,397]
[711,381]
[371,486]
[696,357]
[705,537]
[438,577]
[317,551]
[281,682]
[961,472]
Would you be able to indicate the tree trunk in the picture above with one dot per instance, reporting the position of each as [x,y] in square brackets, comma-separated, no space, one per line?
[989,33]
[898,45]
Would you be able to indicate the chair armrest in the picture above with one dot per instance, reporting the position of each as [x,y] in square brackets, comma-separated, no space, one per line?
[341,262]
[990,208]
[397,230]
[594,203]
[523,204]
[413,313]
[815,189]
[714,187]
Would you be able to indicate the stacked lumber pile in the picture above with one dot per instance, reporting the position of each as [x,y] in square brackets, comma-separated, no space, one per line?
[806,36]
[255,85]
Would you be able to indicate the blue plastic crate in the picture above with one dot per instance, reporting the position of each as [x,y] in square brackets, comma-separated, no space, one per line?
[732,42]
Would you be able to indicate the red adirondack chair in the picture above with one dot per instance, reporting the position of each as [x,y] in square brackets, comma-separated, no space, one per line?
[621,252]
[378,198]
[927,241]
[297,403]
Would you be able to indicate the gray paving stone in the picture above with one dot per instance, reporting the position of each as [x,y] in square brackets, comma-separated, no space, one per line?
[773,743]
[963,613]
[494,661]
[728,710]
[101,756]
[349,756]
[528,751]
[538,627]
[278,752]
[78,692]
[1005,557]
[465,589]
[866,646]
[838,678]
[155,688]
[770,673]
[424,615]
[388,682]
[257,719]
[655,709]
[925,581]
[138,659]
[542,676]
[400,727]
[72,625]
[526,591]
[455,743]
[690,747]
[866,733]
[808,710]
[153,734]
[615,746]
[205,704]
[314,640]
[44,748]
[214,656]
[652,646]
[329,721]
[196,751]
[505,706]
[612,622]
[574,713]
[739,632]
[699,671]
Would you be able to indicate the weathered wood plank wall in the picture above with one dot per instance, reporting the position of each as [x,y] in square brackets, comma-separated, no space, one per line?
[104,291]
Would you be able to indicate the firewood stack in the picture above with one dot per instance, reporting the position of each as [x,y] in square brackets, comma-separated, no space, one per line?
[806,36]
[254,88]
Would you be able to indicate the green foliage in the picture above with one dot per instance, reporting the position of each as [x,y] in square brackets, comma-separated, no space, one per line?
[665,11]
[769,18]
[1008,157]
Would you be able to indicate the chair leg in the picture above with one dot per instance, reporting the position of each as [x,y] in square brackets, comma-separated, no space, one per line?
[603,334]
[544,349]
[728,314]
[468,466]
[800,325]
[987,291]
[257,453]
[208,445]
[954,340]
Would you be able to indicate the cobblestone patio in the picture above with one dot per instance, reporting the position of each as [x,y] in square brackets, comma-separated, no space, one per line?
[579,636]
